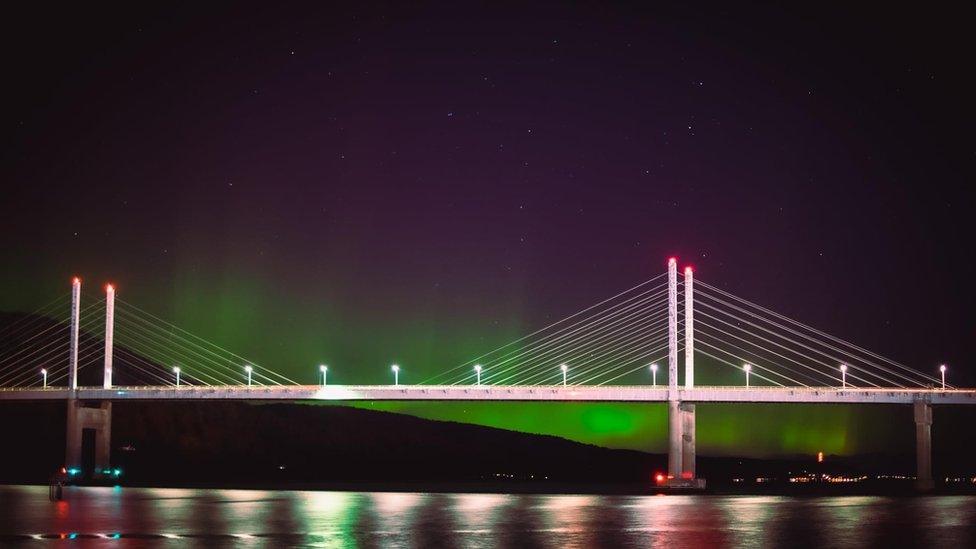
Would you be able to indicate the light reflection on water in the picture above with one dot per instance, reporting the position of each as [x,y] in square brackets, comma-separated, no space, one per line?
[253,518]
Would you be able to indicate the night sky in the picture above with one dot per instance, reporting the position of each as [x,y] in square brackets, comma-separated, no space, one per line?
[360,185]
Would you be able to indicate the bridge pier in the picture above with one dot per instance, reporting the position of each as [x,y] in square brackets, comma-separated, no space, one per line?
[681,416]
[96,418]
[923,444]
[674,439]
[688,441]
[81,415]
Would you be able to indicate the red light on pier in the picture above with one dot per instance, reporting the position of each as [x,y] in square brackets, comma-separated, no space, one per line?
[659,478]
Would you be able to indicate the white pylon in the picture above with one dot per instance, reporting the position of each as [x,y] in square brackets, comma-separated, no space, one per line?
[674,406]
[109,333]
[689,329]
[672,329]
[73,352]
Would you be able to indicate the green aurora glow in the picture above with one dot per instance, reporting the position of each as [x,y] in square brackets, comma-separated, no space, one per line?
[293,333]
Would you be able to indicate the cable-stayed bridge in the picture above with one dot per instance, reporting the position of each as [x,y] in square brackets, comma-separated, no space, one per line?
[611,351]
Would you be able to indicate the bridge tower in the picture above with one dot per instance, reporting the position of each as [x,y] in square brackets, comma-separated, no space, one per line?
[681,415]
[688,409]
[674,405]
[922,410]
[93,416]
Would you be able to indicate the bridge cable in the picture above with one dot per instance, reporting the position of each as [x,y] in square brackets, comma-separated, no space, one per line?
[819,342]
[583,341]
[476,359]
[823,334]
[599,322]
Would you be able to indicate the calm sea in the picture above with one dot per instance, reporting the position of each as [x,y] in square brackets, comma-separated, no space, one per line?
[168,517]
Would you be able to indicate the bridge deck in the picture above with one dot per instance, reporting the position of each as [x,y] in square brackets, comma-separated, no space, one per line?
[340,393]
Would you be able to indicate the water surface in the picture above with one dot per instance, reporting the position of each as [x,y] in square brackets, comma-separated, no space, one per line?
[171,517]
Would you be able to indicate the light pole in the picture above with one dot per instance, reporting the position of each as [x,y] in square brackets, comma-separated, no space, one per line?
[44,375]
[176,370]
[843,376]
[747,368]
[477,371]
[942,370]
[325,372]
[396,374]
[248,369]
[563,367]
[654,375]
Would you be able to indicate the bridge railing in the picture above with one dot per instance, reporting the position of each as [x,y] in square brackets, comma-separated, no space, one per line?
[285,388]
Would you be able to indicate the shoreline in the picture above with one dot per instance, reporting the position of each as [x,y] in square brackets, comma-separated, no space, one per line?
[886,489]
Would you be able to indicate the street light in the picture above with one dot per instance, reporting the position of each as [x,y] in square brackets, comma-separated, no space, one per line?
[325,372]
[942,370]
[176,370]
[396,374]
[477,371]
[563,367]
[843,376]
[44,374]
[747,368]
[248,369]
[654,374]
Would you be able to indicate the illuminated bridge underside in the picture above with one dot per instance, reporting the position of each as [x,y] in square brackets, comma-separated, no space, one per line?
[558,393]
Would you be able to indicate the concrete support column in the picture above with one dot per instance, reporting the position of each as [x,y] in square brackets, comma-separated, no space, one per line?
[81,417]
[73,341]
[674,439]
[688,441]
[72,440]
[688,410]
[109,334]
[689,329]
[923,445]
[103,437]
[674,410]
